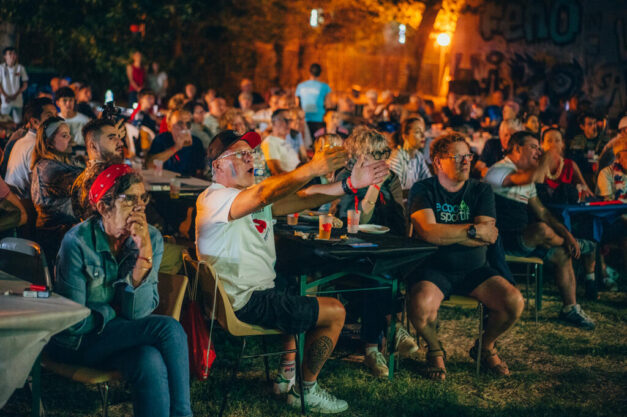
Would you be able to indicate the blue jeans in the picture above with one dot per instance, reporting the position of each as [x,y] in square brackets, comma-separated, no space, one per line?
[151,353]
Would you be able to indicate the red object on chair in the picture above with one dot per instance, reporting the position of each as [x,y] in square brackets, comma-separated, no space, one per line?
[201,355]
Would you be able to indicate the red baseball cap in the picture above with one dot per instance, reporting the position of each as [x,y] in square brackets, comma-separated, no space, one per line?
[223,140]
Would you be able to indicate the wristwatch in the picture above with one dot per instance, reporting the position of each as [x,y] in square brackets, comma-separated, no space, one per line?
[472,232]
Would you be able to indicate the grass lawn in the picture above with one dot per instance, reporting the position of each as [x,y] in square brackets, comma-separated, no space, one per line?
[557,370]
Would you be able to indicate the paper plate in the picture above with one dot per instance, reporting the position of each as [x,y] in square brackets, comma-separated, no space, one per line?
[375,229]
[310,215]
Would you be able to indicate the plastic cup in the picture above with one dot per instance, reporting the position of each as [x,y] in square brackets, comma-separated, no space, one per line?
[352,224]
[292,219]
[158,167]
[137,164]
[175,188]
[325,224]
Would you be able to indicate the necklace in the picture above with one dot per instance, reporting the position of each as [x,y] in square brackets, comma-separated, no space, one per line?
[558,172]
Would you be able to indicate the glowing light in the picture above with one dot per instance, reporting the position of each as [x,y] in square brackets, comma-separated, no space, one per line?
[313,18]
[443,39]
[401,33]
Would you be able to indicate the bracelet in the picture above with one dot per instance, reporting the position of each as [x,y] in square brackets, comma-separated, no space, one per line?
[345,187]
[373,203]
[149,259]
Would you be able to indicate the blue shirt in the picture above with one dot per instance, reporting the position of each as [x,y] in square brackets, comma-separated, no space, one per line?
[89,274]
[187,161]
[312,94]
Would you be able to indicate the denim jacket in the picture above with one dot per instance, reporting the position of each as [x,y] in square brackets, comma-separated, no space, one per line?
[89,274]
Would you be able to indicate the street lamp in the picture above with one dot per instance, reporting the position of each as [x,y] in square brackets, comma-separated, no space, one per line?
[443,39]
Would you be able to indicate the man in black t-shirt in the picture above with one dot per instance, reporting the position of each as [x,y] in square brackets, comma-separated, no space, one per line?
[457,214]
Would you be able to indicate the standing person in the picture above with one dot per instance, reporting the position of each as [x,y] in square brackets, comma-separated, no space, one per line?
[136,75]
[458,215]
[407,160]
[157,82]
[110,264]
[54,172]
[18,173]
[313,95]
[66,102]
[235,233]
[13,82]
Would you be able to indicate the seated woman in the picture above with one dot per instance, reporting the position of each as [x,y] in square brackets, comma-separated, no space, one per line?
[53,173]
[110,263]
[406,161]
[380,204]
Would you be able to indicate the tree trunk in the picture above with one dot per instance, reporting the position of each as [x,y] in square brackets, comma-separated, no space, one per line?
[419,41]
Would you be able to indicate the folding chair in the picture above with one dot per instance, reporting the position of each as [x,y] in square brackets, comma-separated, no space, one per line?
[171,292]
[461,301]
[18,256]
[218,307]
[537,265]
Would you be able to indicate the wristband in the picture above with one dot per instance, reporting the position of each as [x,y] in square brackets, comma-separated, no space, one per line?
[149,259]
[345,187]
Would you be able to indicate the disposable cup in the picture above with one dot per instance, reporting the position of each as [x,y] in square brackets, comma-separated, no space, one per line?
[175,188]
[292,219]
[158,167]
[353,221]
[325,224]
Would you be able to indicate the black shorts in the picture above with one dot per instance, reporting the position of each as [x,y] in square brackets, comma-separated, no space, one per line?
[276,310]
[461,283]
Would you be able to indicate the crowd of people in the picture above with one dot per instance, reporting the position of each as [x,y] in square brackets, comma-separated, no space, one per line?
[476,178]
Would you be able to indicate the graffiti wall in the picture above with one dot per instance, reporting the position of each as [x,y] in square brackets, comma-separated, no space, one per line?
[557,47]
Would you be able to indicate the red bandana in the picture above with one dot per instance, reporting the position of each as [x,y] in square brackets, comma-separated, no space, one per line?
[105,181]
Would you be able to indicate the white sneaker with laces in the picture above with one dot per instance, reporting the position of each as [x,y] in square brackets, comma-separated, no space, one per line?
[282,385]
[377,364]
[317,400]
[404,343]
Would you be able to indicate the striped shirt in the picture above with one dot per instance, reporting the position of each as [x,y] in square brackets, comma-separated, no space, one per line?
[408,169]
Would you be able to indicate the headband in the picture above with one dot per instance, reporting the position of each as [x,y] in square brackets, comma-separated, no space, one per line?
[53,127]
[105,180]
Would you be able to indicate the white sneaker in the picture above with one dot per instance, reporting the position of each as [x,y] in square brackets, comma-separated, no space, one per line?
[282,385]
[404,343]
[317,400]
[377,364]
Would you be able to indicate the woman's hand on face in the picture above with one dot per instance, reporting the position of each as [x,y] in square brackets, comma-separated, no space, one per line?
[368,173]
[138,227]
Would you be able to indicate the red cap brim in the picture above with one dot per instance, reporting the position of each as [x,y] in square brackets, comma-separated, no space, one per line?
[252,138]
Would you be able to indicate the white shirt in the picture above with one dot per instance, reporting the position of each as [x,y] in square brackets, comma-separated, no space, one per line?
[18,168]
[76,124]
[12,79]
[280,150]
[242,251]
[497,174]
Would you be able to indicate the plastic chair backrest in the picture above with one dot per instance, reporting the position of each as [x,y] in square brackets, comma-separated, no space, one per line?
[171,294]
[15,265]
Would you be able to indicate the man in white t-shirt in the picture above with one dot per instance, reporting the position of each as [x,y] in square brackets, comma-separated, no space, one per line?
[66,101]
[18,167]
[13,82]
[513,182]
[234,233]
[279,153]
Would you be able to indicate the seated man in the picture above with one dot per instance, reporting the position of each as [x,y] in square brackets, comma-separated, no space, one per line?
[590,140]
[144,115]
[457,214]
[513,181]
[280,155]
[234,233]
[178,149]
[493,150]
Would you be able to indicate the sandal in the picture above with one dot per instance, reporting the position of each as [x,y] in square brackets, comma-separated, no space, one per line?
[500,369]
[436,373]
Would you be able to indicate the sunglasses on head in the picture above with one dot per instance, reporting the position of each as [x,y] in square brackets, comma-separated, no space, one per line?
[384,154]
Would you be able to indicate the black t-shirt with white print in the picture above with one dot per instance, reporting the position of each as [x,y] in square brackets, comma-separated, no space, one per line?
[461,207]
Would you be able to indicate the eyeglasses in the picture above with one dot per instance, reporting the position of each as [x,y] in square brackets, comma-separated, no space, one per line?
[384,154]
[459,158]
[287,120]
[182,124]
[130,200]
[238,154]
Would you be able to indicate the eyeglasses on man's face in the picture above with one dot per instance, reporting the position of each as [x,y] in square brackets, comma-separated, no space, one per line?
[181,124]
[238,154]
[459,158]
[379,155]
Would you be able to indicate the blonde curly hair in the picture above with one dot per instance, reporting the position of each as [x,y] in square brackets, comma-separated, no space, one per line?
[363,141]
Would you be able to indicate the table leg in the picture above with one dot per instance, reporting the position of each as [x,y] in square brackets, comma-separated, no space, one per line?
[36,387]
[539,283]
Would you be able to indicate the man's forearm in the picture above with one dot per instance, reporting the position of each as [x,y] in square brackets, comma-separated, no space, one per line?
[278,186]
[445,234]
[163,156]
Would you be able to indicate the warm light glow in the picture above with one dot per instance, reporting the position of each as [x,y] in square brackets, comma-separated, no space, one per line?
[313,18]
[401,33]
[443,39]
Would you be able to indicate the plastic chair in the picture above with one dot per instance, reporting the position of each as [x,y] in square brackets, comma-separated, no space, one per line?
[17,257]
[461,301]
[171,293]
[537,265]
[217,305]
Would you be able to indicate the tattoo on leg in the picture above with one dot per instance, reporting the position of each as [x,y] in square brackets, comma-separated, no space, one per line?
[317,354]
